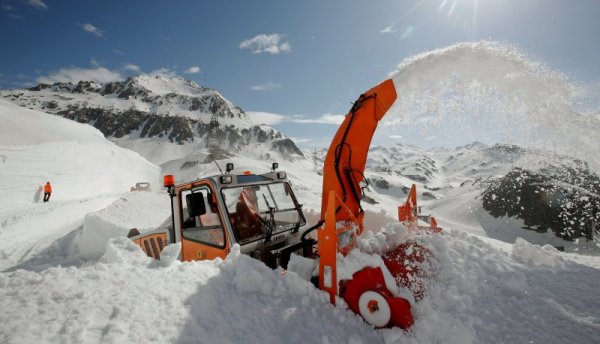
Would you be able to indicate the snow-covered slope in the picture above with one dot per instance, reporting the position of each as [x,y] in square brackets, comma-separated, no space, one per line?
[87,172]
[148,113]
[77,159]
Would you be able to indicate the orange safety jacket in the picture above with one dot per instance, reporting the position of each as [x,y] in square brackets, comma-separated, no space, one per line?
[47,188]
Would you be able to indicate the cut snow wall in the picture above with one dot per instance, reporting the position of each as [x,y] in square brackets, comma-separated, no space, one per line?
[145,211]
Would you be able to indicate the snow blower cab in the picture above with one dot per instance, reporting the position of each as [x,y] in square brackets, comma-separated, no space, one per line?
[257,211]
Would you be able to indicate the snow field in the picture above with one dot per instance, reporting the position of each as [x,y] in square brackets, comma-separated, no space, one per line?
[482,294]
[76,171]
[125,300]
[510,298]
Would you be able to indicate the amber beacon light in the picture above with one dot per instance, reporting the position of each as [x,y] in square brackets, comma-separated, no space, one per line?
[168,180]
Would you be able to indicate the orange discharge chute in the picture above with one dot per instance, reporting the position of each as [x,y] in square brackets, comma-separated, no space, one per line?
[345,161]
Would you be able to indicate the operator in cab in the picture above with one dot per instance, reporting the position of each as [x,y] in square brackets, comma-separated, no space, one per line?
[246,219]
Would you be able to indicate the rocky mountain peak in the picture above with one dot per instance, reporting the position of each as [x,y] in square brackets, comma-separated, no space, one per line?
[155,108]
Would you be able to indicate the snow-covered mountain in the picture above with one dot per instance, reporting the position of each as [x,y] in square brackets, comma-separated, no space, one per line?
[148,112]
[502,191]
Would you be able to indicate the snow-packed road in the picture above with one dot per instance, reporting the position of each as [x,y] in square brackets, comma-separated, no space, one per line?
[29,235]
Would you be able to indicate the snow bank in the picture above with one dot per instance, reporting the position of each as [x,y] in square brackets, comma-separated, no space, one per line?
[23,127]
[126,297]
[480,294]
[142,210]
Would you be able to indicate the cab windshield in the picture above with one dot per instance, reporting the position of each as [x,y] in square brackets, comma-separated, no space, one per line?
[256,210]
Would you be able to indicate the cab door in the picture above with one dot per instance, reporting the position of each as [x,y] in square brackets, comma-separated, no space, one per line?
[203,234]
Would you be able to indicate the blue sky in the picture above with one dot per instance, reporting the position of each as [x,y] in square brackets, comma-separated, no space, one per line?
[296,59]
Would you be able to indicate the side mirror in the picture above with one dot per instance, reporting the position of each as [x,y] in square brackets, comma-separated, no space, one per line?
[195,204]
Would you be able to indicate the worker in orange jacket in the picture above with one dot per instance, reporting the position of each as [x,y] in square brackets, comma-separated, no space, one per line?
[47,191]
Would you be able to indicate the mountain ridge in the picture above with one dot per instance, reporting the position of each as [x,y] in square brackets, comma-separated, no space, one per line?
[145,111]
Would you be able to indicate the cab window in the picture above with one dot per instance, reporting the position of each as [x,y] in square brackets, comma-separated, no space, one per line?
[255,210]
[204,228]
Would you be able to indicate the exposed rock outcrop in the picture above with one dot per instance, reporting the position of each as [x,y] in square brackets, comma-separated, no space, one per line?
[564,199]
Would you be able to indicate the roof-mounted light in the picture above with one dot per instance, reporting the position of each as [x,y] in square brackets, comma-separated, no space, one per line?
[169,180]
[274,166]
[226,179]
[229,167]
[281,175]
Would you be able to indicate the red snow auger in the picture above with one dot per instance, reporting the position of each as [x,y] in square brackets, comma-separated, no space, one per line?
[366,293]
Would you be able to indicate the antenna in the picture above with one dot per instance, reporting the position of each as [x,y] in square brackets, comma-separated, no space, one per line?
[216,163]
[270,226]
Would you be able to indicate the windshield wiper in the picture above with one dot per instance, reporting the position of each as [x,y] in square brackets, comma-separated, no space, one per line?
[296,226]
[270,225]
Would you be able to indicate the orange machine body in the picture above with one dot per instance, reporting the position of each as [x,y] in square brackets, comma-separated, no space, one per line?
[194,250]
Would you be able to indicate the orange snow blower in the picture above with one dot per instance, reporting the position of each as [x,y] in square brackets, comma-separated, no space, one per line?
[261,214]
